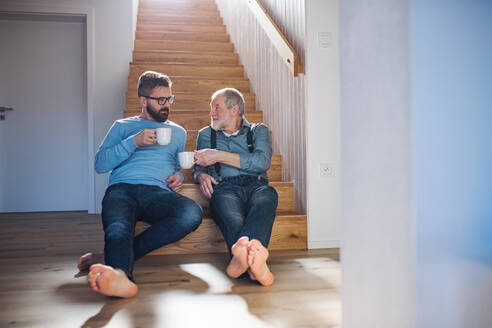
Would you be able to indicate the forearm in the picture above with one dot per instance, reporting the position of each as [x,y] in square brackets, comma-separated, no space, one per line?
[231,159]
[110,157]
[257,162]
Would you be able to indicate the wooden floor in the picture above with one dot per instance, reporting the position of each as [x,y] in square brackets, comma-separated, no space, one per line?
[38,254]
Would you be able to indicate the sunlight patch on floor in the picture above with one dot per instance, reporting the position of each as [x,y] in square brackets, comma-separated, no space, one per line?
[218,281]
[184,309]
[323,268]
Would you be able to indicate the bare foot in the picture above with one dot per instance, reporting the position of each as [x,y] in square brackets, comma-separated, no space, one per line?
[258,269]
[111,282]
[239,261]
[88,259]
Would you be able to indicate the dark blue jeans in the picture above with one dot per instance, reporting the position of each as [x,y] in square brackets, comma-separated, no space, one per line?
[170,215]
[244,206]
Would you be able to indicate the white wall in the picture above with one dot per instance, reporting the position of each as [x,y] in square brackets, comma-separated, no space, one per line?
[377,224]
[111,23]
[452,120]
[416,152]
[322,123]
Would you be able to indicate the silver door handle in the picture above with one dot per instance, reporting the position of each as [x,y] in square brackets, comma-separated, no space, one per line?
[2,112]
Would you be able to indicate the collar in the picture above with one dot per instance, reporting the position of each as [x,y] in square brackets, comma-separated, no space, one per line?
[244,123]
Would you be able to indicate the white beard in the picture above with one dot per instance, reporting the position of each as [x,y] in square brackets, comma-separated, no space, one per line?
[220,125]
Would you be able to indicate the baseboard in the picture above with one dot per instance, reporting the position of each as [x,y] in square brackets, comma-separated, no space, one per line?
[313,244]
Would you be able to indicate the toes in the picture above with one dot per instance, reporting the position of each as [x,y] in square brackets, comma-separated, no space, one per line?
[97,268]
[243,240]
[250,259]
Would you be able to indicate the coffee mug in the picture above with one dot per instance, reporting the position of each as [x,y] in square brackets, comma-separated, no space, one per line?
[186,159]
[164,136]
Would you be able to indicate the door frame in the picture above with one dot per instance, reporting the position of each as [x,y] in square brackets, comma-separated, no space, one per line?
[89,14]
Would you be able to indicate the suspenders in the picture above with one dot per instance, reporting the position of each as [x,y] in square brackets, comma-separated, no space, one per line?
[213,145]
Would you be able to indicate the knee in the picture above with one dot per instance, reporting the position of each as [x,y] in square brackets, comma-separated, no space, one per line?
[265,197]
[117,230]
[192,215]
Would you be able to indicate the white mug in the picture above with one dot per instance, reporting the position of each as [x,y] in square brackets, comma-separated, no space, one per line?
[186,159]
[164,136]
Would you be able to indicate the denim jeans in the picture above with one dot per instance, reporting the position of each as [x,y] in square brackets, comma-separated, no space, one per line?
[244,206]
[170,215]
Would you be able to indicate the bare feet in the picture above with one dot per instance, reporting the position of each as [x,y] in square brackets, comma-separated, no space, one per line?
[88,259]
[239,261]
[111,282]
[258,269]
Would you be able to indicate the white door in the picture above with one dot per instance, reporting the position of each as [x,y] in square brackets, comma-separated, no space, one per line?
[43,141]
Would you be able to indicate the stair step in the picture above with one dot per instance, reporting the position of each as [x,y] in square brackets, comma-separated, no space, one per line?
[188,41]
[191,140]
[162,56]
[202,85]
[274,173]
[202,70]
[178,5]
[183,46]
[181,28]
[205,12]
[182,36]
[289,232]
[179,19]
[285,192]
[198,101]
[194,119]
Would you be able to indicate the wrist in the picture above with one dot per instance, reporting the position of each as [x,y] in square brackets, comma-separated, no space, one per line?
[218,156]
[200,177]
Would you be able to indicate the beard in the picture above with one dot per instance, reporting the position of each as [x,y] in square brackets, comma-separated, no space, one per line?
[220,125]
[158,115]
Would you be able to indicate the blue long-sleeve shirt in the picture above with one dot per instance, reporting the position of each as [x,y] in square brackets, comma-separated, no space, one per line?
[128,163]
[256,163]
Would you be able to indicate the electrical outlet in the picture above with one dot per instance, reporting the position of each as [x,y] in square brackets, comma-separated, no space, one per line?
[326,170]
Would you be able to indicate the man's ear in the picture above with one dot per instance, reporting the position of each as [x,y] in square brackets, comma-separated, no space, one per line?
[235,109]
[143,101]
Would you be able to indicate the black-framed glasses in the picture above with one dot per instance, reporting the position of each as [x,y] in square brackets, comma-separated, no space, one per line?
[161,100]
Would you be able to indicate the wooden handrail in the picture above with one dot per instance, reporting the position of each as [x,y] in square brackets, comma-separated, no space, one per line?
[284,48]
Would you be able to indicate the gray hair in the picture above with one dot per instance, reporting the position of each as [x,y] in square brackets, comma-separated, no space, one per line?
[232,97]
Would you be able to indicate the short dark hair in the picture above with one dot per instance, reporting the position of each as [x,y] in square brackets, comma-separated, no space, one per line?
[149,80]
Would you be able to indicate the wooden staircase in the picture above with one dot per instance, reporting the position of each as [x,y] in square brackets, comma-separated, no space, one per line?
[187,40]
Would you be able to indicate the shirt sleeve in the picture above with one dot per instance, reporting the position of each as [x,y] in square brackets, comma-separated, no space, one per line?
[114,149]
[201,143]
[258,161]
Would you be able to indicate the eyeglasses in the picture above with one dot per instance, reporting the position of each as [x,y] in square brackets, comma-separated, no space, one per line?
[161,100]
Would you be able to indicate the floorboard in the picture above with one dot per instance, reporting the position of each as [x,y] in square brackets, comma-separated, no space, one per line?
[38,254]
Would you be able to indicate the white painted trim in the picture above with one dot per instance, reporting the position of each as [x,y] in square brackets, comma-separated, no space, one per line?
[313,244]
[89,13]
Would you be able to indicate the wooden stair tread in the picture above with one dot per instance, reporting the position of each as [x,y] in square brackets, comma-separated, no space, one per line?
[289,232]
[205,12]
[189,20]
[183,36]
[194,65]
[180,27]
[184,45]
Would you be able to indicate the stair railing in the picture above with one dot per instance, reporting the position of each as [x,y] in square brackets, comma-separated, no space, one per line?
[284,48]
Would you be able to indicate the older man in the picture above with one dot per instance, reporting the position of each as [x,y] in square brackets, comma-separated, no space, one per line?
[143,186]
[232,159]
